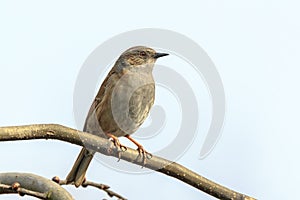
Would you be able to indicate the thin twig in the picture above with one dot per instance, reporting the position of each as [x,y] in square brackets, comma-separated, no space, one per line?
[104,146]
[86,183]
[22,191]
[33,185]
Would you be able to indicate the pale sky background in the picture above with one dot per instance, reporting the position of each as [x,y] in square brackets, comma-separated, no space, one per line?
[255,46]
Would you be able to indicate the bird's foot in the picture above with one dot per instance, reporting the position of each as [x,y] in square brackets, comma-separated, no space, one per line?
[121,148]
[146,155]
[142,152]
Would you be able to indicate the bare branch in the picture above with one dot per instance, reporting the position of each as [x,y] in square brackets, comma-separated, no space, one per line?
[21,191]
[104,146]
[86,183]
[33,185]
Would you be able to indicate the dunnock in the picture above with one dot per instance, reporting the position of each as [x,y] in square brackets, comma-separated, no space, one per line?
[121,105]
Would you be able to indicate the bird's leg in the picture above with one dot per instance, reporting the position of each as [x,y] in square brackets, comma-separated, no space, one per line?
[141,149]
[117,143]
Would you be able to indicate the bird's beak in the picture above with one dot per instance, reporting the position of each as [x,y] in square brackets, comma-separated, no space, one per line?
[158,55]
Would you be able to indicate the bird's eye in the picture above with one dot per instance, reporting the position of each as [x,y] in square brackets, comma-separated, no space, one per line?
[143,53]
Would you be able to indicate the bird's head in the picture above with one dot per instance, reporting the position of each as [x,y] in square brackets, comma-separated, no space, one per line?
[139,57]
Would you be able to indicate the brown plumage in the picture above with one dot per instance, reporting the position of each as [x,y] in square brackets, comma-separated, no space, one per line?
[121,105]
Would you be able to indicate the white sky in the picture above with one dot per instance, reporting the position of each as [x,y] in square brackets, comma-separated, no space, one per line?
[254,45]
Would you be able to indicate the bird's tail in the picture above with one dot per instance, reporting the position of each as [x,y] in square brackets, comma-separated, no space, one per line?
[77,173]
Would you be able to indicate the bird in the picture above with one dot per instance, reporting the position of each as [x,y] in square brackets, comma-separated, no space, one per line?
[121,105]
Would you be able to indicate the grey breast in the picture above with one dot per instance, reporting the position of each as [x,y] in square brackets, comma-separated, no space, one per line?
[131,100]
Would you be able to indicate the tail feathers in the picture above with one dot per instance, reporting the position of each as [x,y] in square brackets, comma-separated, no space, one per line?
[77,173]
